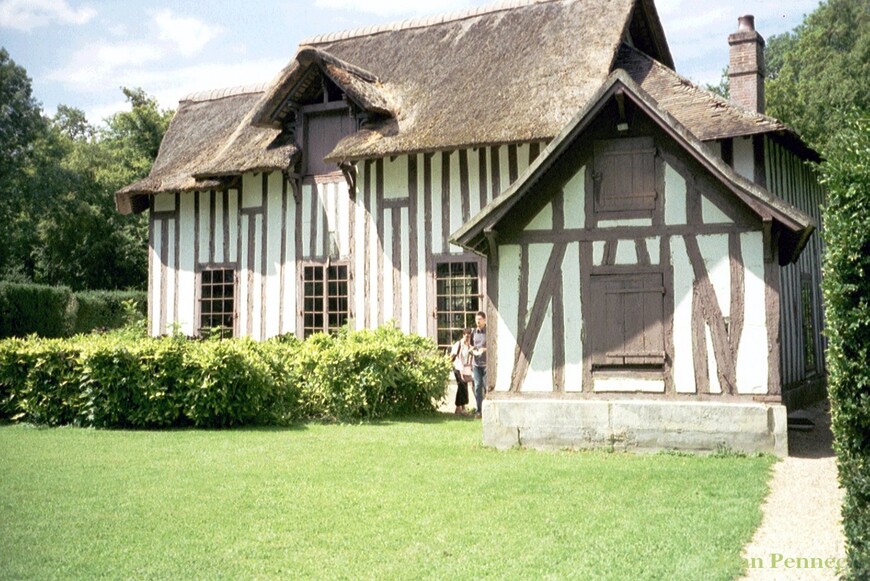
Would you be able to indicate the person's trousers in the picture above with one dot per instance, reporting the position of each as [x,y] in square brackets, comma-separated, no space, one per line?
[479,375]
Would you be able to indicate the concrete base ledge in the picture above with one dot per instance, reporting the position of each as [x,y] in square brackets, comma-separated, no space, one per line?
[642,425]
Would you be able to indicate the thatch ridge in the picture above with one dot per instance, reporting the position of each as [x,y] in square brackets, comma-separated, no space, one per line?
[222,92]
[421,22]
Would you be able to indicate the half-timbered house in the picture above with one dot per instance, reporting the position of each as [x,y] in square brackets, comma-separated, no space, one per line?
[634,238]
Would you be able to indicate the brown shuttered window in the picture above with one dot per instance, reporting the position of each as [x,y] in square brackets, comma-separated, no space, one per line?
[217,303]
[624,177]
[626,320]
[322,132]
[326,304]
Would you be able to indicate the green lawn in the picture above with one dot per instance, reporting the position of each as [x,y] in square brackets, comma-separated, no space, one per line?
[409,499]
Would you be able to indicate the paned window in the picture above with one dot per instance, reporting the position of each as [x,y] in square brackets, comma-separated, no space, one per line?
[325,298]
[626,320]
[457,299]
[217,303]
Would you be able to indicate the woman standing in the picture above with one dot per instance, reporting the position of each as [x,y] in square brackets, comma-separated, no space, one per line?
[460,354]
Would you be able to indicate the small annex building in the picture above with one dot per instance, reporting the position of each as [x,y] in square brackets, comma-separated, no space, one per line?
[630,259]
[645,250]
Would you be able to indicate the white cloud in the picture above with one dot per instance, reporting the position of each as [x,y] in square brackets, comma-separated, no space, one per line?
[106,64]
[188,35]
[169,86]
[98,113]
[394,8]
[25,15]
[95,64]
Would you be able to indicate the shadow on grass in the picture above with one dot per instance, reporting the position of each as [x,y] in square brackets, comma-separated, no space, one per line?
[432,418]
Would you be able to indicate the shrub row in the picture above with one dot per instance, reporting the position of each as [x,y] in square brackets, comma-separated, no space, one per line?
[111,382]
[56,311]
[846,285]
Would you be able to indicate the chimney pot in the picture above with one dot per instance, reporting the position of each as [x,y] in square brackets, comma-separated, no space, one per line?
[746,23]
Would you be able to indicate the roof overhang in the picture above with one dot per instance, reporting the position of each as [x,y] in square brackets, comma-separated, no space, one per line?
[362,88]
[796,227]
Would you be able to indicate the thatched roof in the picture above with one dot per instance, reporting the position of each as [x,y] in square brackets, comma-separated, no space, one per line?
[508,73]
[210,136]
[797,226]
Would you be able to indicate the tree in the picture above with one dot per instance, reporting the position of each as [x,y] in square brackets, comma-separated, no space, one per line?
[21,119]
[821,70]
[723,89]
[23,142]
[84,243]
[57,180]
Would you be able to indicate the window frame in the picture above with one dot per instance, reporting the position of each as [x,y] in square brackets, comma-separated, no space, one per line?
[325,312]
[231,267]
[433,294]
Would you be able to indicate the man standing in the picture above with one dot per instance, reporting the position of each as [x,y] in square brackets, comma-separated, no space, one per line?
[478,362]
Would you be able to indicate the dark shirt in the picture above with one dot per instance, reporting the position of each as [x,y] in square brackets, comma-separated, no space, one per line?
[478,341]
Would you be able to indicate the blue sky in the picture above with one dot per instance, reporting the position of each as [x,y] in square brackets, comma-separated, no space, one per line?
[79,52]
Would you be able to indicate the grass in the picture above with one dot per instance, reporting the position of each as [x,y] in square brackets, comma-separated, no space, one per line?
[408,499]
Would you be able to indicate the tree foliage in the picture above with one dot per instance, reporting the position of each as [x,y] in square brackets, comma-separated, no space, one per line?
[821,70]
[57,179]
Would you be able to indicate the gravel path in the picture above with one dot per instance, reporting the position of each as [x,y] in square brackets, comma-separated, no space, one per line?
[801,518]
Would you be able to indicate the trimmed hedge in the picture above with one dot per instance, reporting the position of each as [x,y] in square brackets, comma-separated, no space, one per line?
[55,311]
[101,309]
[112,382]
[846,285]
[35,308]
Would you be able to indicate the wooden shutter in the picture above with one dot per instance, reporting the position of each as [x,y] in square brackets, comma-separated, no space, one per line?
[626,320]
[322,132]
[625,175]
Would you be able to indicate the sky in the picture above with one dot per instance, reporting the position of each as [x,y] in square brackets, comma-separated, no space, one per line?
[80,52]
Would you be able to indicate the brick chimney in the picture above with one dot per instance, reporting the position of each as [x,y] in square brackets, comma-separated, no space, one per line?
[746,65]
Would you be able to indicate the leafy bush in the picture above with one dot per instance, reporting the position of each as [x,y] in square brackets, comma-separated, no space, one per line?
[107,309]
[112,381]
[35,308]
[369,374]
[846,286]
[55,311]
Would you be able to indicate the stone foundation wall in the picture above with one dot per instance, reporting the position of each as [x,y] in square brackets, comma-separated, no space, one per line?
[641,425]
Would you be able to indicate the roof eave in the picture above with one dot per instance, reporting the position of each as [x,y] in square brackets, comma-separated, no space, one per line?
[274,101]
